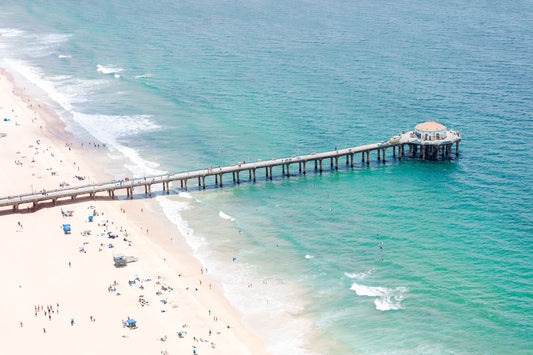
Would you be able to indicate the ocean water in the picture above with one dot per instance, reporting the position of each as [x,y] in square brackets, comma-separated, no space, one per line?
[402,257]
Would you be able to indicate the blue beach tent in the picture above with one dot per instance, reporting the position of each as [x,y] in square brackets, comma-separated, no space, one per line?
[131,323]
[66,228]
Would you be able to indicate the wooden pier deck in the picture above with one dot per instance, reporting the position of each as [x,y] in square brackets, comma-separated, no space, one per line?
[236,170]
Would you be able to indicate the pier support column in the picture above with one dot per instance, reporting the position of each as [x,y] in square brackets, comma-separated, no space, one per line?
[185,183]
[300,167]
[336,163]
[362,157]
[303,163]
[457,149]
[181,184]
[150,190]
[220,179]
[384,154]
[270,173]
[199,181]
[203,182]
[238,178]
[394,152]
[410,150]
[347,159]
[233,176]
[168,189]
[449,151]
[145,189]
[316,163]
[423,151]
[216,179]
[250,174]
[282,169]
[351,159]
[266,171]
[367,157]
[320,165]
[254,175]
[288,170]
[379,151]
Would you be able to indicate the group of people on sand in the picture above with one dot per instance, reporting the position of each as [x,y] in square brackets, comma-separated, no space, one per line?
[48,311]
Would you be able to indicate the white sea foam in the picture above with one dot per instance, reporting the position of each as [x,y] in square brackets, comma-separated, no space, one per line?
[309,256]
[35,76]
[42,45]
[53,38]
[105,128]
[186,195]
[225,216]
[358,275]
[10,32]
[143,76]
[386,298]
[108,129]
[108,69]
[64,56]
[172,209]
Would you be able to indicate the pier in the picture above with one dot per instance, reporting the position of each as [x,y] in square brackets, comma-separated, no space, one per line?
[429,141]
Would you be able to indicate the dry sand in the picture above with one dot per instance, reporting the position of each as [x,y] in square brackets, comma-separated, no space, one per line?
[73,274]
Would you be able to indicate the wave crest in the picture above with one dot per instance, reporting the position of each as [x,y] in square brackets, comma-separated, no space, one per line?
[386,298]
[225,216]
[108,69]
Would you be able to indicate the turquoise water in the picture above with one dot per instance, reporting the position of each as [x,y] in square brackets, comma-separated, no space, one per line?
[403,257]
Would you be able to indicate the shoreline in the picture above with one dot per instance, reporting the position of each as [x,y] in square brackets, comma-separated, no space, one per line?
[151,241]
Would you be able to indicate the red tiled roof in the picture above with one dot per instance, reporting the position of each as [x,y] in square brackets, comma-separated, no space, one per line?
[430,126]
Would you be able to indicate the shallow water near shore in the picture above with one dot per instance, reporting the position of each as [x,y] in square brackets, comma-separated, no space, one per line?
[402,257]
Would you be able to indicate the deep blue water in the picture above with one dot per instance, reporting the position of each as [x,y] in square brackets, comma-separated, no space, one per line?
[181,85]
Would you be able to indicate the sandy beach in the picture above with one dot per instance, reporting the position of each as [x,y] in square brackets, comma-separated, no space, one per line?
[61,292]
